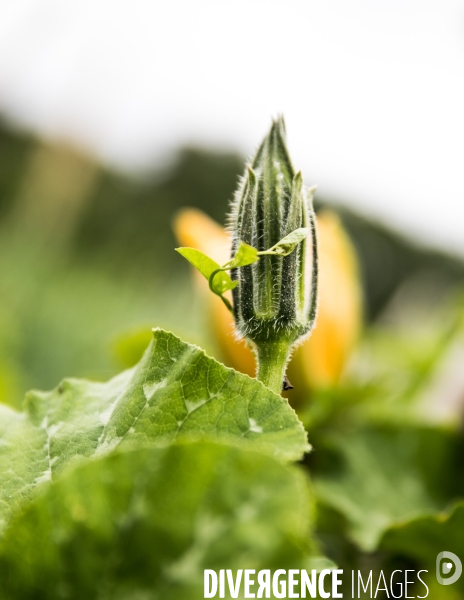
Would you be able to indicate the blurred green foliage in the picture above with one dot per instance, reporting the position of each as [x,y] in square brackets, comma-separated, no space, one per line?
[389,260]
[87,256]
[193,507]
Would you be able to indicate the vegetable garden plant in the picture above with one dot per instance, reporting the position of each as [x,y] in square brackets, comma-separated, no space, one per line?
[130,489]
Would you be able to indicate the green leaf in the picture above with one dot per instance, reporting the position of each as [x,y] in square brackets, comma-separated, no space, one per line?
[146,523]
[245,255]
[24,462]
[175,392]
[423,538]
[379,476]
[288,244]
[207,266]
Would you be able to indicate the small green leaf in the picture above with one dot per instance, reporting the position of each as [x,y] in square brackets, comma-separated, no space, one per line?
[245,255]
[288,244]
[207,266]
[199,260]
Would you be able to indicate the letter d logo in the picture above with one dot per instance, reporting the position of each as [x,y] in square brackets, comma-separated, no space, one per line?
[443,568]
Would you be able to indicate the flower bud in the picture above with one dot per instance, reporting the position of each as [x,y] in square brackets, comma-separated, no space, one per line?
[275,297]
[275,301]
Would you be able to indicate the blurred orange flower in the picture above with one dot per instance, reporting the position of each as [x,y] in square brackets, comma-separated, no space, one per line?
[320,359]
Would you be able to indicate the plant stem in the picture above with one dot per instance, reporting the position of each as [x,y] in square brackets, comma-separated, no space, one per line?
[272,362]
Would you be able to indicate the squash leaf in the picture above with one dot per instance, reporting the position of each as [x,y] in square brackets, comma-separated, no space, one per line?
[175,392]
[145,523]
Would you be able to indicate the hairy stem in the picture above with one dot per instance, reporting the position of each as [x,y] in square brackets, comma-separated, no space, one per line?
[272,362]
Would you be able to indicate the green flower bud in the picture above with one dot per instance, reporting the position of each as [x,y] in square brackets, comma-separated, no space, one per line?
[275,299]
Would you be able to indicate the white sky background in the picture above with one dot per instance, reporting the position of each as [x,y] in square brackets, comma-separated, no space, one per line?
[372,91]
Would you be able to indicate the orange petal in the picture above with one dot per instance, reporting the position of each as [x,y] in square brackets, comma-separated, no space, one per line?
[193,228]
